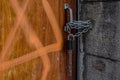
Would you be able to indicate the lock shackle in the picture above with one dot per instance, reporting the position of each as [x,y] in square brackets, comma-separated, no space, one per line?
[71,36]
[66,6]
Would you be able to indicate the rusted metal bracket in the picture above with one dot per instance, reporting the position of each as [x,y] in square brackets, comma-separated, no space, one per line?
[80,27]
[83,26]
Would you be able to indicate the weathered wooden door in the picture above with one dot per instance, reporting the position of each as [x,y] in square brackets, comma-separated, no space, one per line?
[28,32]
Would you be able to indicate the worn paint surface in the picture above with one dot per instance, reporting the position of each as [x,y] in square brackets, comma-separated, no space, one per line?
[29,31]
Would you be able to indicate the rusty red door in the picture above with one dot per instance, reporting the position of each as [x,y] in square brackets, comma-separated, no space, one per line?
[31,40]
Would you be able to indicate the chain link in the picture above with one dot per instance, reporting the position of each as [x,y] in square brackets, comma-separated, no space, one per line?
[82,26]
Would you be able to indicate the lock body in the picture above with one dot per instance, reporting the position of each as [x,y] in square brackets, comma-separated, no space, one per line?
[71,42]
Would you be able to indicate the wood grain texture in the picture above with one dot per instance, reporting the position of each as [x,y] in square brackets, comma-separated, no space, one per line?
[38,19]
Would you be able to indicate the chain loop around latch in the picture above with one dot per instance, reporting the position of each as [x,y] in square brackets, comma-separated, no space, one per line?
[80,26]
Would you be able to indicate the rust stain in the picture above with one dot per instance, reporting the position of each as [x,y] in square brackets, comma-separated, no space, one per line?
[32,38]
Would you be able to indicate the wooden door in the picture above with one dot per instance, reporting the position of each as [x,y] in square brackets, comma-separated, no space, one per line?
[27,29]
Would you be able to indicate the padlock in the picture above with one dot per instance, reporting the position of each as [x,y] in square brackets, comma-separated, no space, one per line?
[71,42]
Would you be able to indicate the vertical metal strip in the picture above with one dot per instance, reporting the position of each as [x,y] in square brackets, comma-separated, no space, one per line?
[80,51]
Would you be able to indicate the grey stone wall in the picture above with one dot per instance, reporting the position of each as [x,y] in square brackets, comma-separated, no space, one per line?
[102,43]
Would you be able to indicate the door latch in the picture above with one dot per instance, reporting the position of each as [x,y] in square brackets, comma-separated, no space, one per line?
[82,26]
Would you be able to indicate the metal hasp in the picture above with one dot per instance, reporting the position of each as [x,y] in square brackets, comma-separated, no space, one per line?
[80,27]
[83,26]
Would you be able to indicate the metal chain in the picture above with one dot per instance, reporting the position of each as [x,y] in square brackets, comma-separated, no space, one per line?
[83,26]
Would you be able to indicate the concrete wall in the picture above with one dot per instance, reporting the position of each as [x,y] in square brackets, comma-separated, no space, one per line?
[102,43]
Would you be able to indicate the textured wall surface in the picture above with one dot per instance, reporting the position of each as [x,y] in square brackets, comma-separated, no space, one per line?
[102,43]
